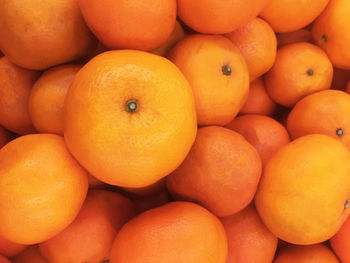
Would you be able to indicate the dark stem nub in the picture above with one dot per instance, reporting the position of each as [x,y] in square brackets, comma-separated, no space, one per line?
[340,132]
[325,38]
[227,70]
[131,105]
[347,204]
[310,72]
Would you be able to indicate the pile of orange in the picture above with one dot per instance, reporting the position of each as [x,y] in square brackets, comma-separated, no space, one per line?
[175,131]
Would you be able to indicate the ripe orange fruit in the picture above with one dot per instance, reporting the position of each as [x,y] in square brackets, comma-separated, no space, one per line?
[173,233]
[330,32]
[304,193]
[130,118]
[41,188]
[306,254]
[218,17]
[47,98]
[43,34]
[152,189]
[291,15]
[300,69]
[217,73]
[138,24]
[249,240]
[302,35]
[325,112]
[221,172]
[15,88]
[257,42]
[264,133]
[341,242]
[4,260]
[5,137]
[10,249]
[259,101]
[89,238]
[144,203]
[177,35]
[30,255]
[340,79]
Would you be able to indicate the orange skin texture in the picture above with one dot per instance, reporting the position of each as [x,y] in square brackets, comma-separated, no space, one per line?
[173,233]
[301,35]
[37,37]
[47,97]
[264,133]
[177,35]
[218,97]
[15,85]
[5,137]
[29,255]
[296,200]
[130,149]
[330,32]
[144,203]
[249,240]
[332,105]
[221,172]
[306,254]
[37,171]
[289,81]
[257,42]
[4,260]
[291,15]
[341,242]
[340,79]
[138,24]
[259,101]
[152,189]
[90,237]
[218,17]
[9,248]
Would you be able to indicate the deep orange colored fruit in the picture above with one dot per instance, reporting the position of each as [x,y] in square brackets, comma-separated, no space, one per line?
[138,24]
[330,32]
[89,238]
[43,34]
[257,42]
[5,137]
[144,203]
[47,98]
[291,15]
[15,85]
[10,249]
[301,35]
[300,69]
[341,242]
[30,255]
[221,172]
[4,260]
[259,101]
[173,233]
[218,17]
[306,254]
[130,118]
[42,188]
[152,189]
[249,240]
[217,73]
[264,133]
[340,79]
[325,112]
[305,188]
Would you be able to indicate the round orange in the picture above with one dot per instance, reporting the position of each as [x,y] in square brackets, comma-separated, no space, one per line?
[30,255]
[301,35]
[340,242]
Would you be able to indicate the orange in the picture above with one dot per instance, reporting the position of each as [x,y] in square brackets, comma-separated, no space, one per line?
[341,242]
[47,98]
[325,112]
[264,133]
[301,35]
[330,31]
[144,203]
[300,69]
[291,15]
[177,35]
[218,17]
[89,238]
[10,249]
[217,73]
[306,254]
[43,34]
[258,102]
[42,188]
[257,42]
[221,172]
[130,118]
[137,24]
[30,255]
[173,233]
[15,85]
[5,137]
[249,241]
[340,79]
[4,260]
[152,189]
[304,193]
